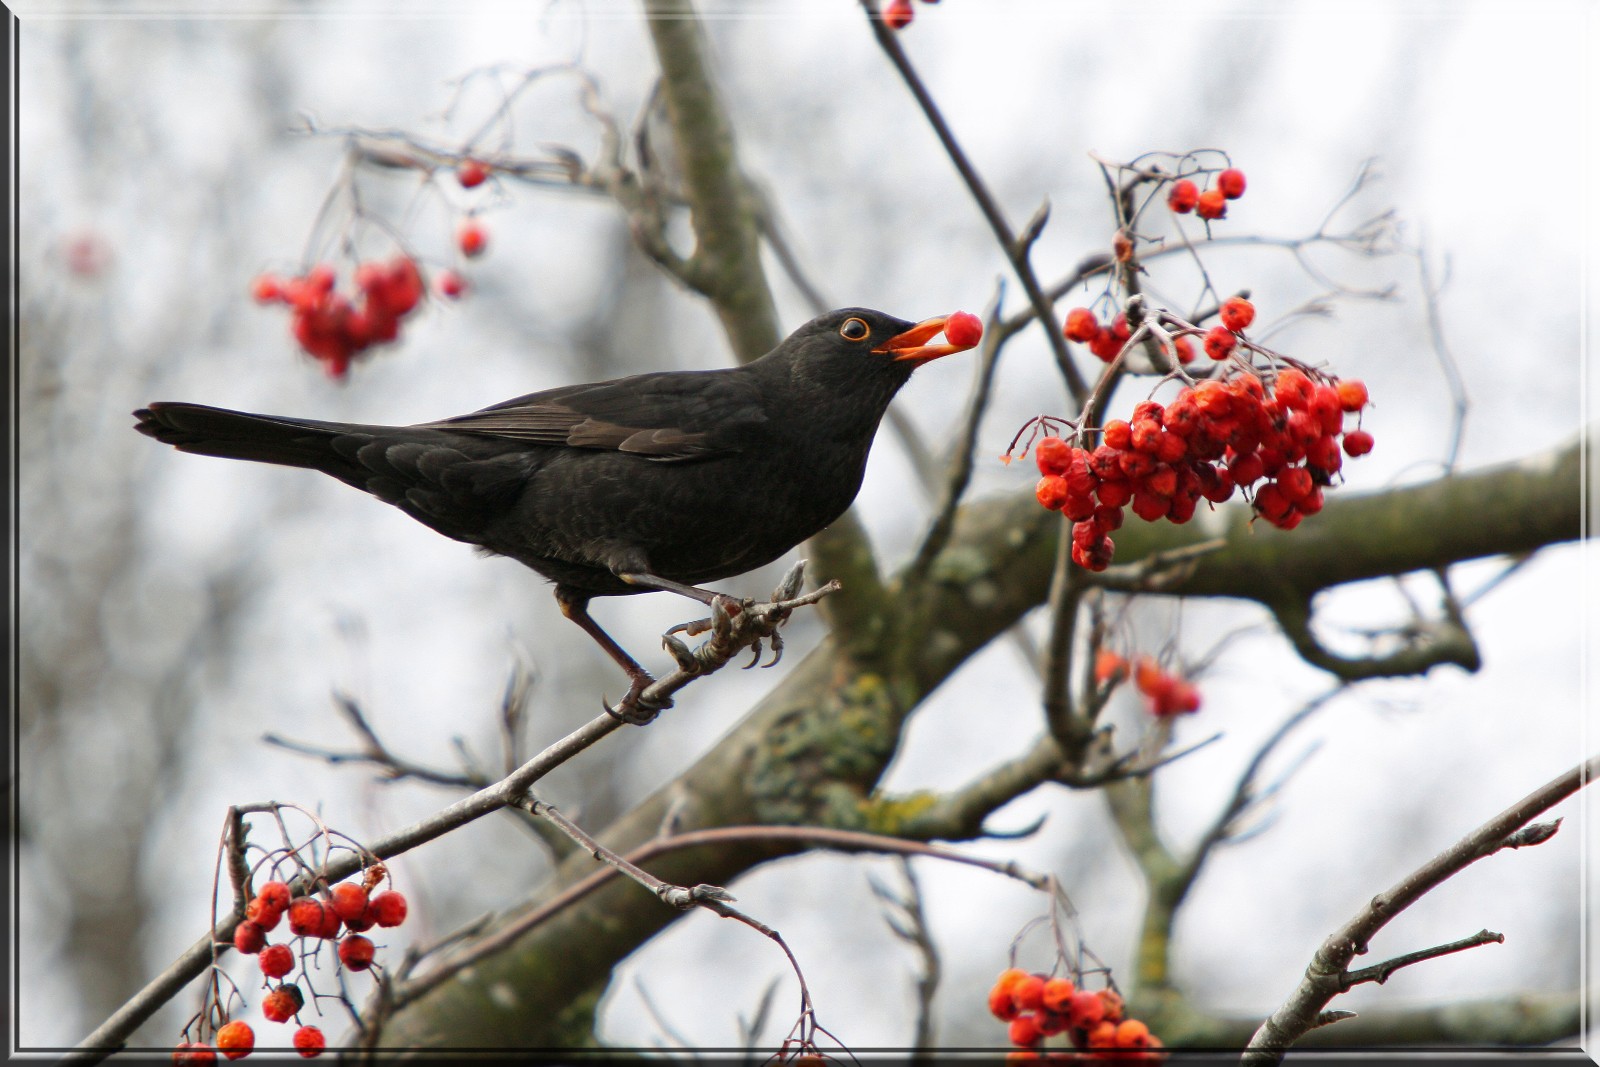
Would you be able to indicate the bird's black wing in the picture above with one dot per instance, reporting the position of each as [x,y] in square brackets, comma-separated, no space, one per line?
[667,416]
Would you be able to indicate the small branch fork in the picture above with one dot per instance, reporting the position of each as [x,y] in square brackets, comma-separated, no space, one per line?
[1328,974]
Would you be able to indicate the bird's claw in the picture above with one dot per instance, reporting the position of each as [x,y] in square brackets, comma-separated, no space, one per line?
[635,709]
[681,651]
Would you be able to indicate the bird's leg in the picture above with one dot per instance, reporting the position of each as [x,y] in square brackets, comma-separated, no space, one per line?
[633,710]
[707,597]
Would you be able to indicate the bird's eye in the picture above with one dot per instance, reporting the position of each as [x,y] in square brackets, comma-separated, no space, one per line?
[854,330]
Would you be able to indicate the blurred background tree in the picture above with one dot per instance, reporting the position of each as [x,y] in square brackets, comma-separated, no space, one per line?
[171,611]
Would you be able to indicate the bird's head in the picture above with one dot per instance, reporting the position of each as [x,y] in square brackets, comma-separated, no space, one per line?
[859,345]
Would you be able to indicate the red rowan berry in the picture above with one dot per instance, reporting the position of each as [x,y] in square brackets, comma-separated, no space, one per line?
[1295,482]
[330,924]
[1272,503]
[450,284]
[348,900]
[1136,465]
[472,238]
[276,960]
[1357,443]
[1052,455]
[249,937]
[1246,470]
[1181,509]
[1292,389]
[1220,343]
[1101,1035]
[1311,503]
[356,952]
[1108,666]
[305,916]
[1104,345]
[1119,327]
[1024,1031]
[1105,463]
[1051,491]
[389,907]
[963,328]
[1183,196]
[1211,205]
[1001,1004]
[1146,435]
[1352,394]
[1147,675]
[1028,992]
[1095,557]
[1085,1010]
[472,174]
[1114,493]
[1131,1033]
[1081,326]
[236,1039]
[1118,435]
[1163,481]
[1231,183]
[261,912]
[1058,991]
[266,288]
[1108,519]
[1050,1023]
[1113,1003]
[309,1042]
[1077,506]
[280,1005]
[1237,313]
[1323,454]
[1184,349]
[897,14]
[1171,447]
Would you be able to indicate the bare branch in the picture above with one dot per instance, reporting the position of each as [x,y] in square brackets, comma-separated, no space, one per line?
[1326,976]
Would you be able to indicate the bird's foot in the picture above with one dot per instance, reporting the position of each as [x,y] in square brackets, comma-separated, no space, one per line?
[737,624]
[636,709]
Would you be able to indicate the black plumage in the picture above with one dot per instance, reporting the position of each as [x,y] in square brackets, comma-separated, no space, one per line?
[661,480]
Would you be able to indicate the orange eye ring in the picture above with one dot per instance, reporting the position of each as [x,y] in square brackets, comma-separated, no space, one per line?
[855,329]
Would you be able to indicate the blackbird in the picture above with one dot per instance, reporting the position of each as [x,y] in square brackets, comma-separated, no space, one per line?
[658,481]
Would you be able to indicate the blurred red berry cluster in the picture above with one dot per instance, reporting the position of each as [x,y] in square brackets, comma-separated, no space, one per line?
[334,328]
[1036,1007]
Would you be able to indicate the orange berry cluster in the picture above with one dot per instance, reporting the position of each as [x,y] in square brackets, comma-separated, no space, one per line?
[897,14]
[1214,437]
[332,327]
[1167,694]
[1036,1006]
[1105,340]
[1185,196]
[348,908]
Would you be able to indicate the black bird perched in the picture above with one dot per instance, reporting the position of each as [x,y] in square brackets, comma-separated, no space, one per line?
[654,481]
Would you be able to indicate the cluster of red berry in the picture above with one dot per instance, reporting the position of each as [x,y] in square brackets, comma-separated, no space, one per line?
[898,13]
[1167,693]
[1212,203]
[348,907]
[332,327]
[1036,1007]
[1105,340]
[1215,436]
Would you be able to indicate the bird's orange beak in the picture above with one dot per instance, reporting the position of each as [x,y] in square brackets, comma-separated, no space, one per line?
[911,345]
